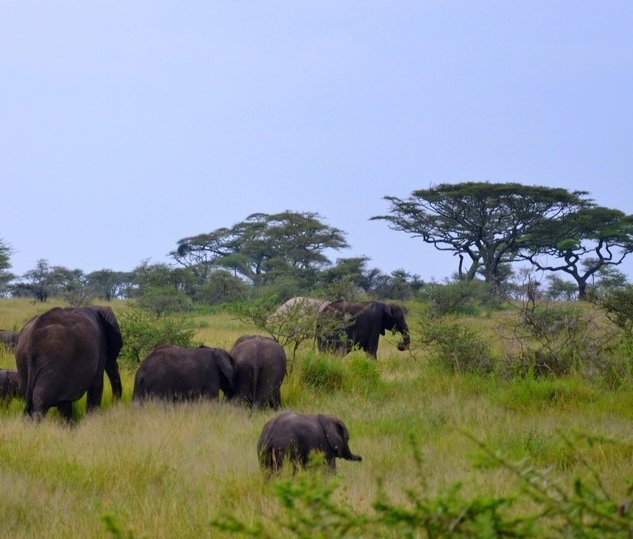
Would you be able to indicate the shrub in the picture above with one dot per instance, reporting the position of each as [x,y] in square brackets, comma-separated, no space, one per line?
[221,287]
[164,300]
[364,371]
[548,338]
[322,372]
[143,331]
[585,509]
[461,297]
[455,347]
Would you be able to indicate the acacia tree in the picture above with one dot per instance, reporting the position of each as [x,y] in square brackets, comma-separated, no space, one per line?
[264,247]
[483,223]
[582,243]
[109,284]
[5,263]
[44,281]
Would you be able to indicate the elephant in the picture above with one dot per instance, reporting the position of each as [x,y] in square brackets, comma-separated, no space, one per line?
[62,354]
[291,436]
[260,370]
[9,385]
[9,338]
[300,306]
[181,374]
[343,325]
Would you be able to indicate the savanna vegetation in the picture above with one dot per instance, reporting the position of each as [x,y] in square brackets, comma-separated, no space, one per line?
[505,419]
[508,417]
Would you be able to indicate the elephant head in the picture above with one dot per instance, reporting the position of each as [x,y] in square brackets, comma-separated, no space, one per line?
[393,320]
[337,437]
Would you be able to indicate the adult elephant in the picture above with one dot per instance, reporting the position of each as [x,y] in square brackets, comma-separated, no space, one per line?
[260,370]
[292,437]
[179,374]
[300,306]
[8,338]
[62,354]
[344,325]
[9,385]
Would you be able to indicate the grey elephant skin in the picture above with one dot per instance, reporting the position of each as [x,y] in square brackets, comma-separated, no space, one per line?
[9,385]
[344,325]
[260,370]
[179,374]
[62,355]
[8,338]
[292,437]
[300,306]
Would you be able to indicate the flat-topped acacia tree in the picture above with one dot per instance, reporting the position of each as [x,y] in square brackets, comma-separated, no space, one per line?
[483,223]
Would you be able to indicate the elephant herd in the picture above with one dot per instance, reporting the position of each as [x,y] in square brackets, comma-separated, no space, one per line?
[63,354]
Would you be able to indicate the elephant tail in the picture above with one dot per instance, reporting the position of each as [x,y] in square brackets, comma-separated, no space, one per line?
[255,385]
[140,391]
[29,409]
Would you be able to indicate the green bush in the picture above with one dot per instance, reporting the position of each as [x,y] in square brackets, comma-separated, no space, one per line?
[455,347]
[312,509]
[364,372]
[461,297]
[550,339]
[322,372]
[143,331]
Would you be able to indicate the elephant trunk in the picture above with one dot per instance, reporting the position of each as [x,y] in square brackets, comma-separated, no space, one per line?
[406,339]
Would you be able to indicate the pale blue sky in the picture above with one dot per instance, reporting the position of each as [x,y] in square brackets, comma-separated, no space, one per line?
[127,125]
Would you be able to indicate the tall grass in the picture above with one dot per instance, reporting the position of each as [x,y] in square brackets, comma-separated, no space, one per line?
[166,471]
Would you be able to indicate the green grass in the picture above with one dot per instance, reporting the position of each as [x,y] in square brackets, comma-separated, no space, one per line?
[166,471]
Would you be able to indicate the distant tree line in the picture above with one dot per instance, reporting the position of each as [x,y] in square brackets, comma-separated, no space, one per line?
[489,227]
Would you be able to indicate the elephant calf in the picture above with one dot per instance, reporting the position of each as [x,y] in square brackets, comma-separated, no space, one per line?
[9,339]
[175,373]
[9,384]
[260,370]
[290,436]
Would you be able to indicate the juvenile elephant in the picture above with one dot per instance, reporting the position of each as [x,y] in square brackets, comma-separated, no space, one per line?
[290,436]
[8,338]
[260,370]
[9,384]
[343,325]
[62,354]
[179,374]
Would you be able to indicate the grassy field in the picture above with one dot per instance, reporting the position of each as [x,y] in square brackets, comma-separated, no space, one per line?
[166,471]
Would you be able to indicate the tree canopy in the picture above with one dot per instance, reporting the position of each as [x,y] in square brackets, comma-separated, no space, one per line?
[5,264]
[263,246]
[582,243]
[484,224]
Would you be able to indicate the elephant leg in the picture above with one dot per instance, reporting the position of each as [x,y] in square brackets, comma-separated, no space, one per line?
[95,394]
[112,370]
[275,402]
[65,410]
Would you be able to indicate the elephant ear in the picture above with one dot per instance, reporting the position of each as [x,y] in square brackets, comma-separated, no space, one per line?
[333,429]
[226,363]
[112,331]
[388,321]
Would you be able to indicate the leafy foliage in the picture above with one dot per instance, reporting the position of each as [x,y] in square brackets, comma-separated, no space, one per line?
[583,242]
[5,264]
[549,338]
[486,223]
[460,297]
[311,507]
[143,330]
[322,372]
[454,346]
[264,247]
